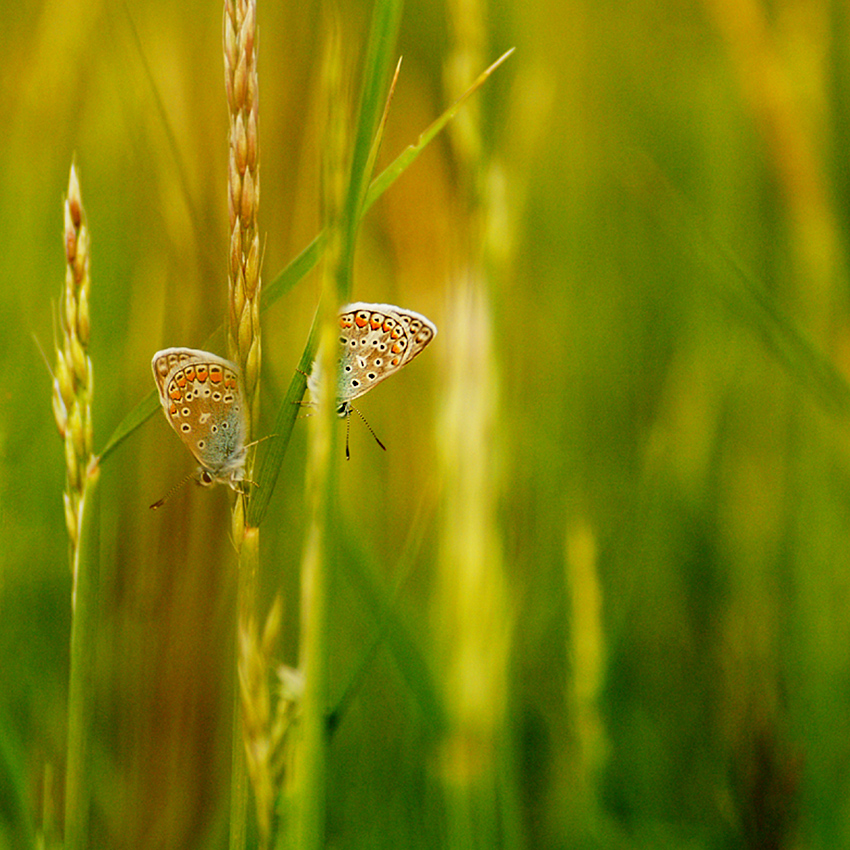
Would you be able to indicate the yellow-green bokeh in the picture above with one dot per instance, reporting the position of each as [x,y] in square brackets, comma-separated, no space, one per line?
[672,503]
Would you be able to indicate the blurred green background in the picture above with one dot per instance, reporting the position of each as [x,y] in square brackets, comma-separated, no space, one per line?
[670,462]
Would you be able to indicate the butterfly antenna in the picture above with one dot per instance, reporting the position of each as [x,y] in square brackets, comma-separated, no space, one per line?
[371,431]
[347,432]
[171,492]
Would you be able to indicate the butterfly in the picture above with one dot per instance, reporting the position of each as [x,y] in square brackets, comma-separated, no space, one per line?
[202,400]
[376,340]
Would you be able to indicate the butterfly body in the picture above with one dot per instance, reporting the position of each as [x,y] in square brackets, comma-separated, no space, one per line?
[201,397]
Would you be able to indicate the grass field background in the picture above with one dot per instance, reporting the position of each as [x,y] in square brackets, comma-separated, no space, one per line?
[612,520]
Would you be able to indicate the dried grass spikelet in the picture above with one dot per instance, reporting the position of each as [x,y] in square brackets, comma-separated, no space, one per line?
[73,380]
[244,283]
[266,721]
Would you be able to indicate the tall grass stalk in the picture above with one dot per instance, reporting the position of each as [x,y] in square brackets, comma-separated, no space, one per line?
[72,398]
[472,616]
[244,345]
[81,687]
[346,172]
[318,560]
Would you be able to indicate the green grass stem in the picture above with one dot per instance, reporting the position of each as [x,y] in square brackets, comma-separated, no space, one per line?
[246,598]
[81,688]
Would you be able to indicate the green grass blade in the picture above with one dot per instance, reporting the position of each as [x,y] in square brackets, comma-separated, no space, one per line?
[398,166]
[134,419]
[363,574]
[749,301]
[202,256]
[377,70]
[16,827]
[272,459]
[786,342]
[379,133]
[298,268]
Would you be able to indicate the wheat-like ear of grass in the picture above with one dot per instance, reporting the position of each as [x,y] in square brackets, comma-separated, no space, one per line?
[72,402]
[244,284]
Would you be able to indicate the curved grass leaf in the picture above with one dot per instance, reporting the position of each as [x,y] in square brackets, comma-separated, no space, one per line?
[409,155]
[272,459]
[749,301]
[392,629]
